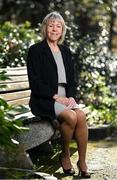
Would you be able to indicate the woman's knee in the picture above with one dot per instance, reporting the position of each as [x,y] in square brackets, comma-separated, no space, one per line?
[81,116]
[73,117]
[70,117]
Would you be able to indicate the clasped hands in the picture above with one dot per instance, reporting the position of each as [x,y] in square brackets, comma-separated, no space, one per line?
[69,102]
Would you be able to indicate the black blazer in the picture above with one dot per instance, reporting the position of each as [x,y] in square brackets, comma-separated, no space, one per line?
[43,78]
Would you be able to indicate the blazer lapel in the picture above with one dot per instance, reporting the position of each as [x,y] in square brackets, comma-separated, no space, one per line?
[47,51]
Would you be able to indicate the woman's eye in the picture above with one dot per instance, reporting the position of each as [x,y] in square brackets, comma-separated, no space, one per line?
[59,26]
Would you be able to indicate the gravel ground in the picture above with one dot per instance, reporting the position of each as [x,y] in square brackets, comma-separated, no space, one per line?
[101,160]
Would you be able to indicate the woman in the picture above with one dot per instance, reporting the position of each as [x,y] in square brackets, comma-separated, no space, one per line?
[53,90]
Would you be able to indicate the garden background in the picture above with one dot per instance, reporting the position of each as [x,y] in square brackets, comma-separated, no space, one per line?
[92,38]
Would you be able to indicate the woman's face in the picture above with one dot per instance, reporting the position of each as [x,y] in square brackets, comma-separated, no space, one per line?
[54,30]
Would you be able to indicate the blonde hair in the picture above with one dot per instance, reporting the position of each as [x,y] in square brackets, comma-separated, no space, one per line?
[51,16]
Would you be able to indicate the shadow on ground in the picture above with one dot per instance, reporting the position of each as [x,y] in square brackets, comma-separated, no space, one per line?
[46,158]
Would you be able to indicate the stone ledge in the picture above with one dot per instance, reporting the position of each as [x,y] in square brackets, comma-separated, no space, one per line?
[99,132]
[39,132]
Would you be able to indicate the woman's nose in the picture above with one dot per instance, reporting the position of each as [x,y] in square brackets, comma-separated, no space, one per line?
[54,28]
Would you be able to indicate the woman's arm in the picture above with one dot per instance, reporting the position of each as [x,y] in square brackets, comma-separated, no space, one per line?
[34,69]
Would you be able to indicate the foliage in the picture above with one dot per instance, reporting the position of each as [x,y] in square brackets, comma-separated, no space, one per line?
[14,43]
[95,74]
[9,126]
[34,11]
[101,103]
[96,79]
[93,56]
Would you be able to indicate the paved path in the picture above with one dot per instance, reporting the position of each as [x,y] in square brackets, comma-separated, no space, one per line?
[101,159]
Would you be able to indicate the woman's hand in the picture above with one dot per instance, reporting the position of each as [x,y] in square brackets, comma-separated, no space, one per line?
[61,100]
[71,102]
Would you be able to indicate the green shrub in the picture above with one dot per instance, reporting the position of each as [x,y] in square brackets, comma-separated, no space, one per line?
[9,126]
[95,75]
[14,43]
[101,103]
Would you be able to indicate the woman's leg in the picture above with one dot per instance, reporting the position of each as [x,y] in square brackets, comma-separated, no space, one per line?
[81,136]
[67,127]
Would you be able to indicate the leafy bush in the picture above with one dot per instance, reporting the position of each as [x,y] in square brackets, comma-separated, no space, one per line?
[8,125]
[95,74]
[14,43]
[101,103]
[94,56]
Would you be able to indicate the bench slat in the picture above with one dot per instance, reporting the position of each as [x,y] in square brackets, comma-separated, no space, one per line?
[16,95]
[20,110]
[17,102]
[15,71]
[26,115]
[15,79]
[13,68]
[15,86]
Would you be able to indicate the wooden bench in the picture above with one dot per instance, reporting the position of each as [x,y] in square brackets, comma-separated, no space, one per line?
[17,93]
